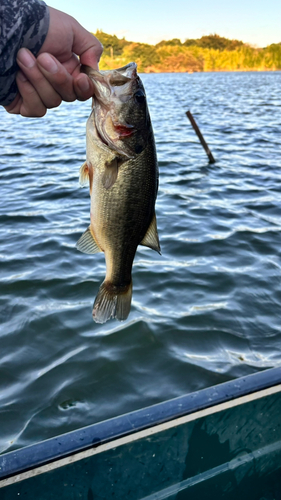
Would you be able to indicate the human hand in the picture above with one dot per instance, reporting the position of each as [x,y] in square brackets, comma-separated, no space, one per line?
[53,76]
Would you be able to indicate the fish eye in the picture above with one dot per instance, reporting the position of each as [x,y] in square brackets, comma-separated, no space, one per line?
[140,96]
[138,149]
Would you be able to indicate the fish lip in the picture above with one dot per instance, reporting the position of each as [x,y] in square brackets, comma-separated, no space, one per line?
[129,71]
[106,78]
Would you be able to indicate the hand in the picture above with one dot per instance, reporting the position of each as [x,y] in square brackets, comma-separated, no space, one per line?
[53,76]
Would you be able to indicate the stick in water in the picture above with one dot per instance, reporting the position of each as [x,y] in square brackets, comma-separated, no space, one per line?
[200,136]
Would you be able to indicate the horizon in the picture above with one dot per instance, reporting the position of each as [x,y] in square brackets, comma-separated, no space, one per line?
[254,23]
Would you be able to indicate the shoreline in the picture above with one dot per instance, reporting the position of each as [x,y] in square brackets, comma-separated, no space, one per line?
[264,70]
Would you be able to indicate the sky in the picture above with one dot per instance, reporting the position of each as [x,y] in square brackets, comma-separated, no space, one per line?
[256,22]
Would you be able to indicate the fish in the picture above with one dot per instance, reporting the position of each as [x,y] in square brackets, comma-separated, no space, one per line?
[121,170]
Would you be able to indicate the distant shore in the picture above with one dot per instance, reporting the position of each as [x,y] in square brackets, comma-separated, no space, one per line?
[214,71]
[208,54]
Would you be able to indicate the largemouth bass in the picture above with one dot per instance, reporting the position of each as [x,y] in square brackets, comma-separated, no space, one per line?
[121,170]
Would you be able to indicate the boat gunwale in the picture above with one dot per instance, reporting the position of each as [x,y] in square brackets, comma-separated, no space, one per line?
[56,449]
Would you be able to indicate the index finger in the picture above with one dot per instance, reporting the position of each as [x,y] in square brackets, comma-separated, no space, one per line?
[86,46]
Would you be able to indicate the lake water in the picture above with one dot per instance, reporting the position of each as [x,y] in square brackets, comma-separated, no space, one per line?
[207,310]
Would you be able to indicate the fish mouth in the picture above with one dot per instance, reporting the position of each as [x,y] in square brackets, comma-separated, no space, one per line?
[117,76]
[129,71]
[109,83]
[104,81]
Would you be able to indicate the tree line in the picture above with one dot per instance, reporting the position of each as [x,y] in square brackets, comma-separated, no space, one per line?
[208,53]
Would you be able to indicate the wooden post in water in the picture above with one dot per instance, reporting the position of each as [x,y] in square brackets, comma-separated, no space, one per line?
[200,136]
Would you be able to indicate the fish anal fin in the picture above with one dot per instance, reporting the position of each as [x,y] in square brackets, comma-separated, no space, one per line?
[110,173]
[87,243]
[151,238]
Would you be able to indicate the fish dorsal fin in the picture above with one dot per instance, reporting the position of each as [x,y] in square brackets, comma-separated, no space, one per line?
[87,243]
[151,239]
[84,175]
[110,173]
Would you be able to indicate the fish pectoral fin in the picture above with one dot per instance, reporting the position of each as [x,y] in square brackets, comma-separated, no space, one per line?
[151,239]
[84,175]
[110,173]
[87,243]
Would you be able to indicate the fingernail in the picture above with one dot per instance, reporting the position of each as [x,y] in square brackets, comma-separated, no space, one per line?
[83,84]
[25,58]
[21,76]
[48,63]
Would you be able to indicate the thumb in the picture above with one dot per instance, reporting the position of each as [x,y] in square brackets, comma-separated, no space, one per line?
[86,46]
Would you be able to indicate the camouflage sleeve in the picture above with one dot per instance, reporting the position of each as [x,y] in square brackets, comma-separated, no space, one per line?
[23,23]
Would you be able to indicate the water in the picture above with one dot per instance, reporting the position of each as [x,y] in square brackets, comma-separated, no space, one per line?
[206,311]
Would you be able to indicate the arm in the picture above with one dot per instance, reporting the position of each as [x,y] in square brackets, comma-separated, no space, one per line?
[23,24]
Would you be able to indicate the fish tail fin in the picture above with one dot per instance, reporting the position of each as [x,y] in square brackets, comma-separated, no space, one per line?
[112,302]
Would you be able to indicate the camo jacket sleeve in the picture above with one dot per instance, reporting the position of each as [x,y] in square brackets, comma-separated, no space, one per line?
[23,23]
